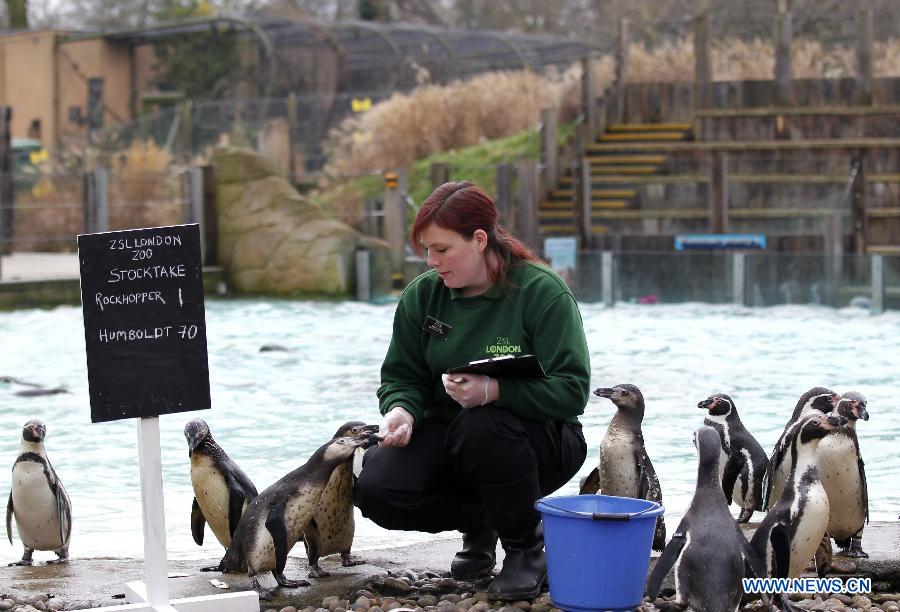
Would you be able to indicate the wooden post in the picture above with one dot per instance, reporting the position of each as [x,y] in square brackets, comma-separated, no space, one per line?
[702,69]
[549,149]
[292,118]
[718,192]
[363,275]
[739,278]
[504,182]
[187,137]
[526,217]
[864,52]
[858,206]
[877,272]
[583,210]
[395,218]
[195,209]
[588,97]
[210,216]
[96,204]
[621,70]
[440,174]
[607,279]
[834,251]
[7,186]
[784,34]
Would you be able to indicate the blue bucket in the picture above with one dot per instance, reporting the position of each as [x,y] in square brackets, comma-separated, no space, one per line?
[598,549]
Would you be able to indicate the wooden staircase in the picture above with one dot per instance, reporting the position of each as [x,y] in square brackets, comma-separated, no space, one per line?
[612,174]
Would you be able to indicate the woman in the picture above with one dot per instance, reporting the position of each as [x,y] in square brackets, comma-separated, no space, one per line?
[465,451]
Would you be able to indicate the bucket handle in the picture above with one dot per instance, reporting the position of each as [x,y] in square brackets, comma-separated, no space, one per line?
[602,516]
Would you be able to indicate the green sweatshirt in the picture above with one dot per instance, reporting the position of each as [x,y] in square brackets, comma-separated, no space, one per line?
[536,314]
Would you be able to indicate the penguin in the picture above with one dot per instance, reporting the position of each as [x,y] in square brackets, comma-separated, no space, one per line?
[625,469]
[332,526]
[743,464]
[844,477]
[221,489]
[708,550]
[277,517]
[817,398]
[789,535]
[38,499]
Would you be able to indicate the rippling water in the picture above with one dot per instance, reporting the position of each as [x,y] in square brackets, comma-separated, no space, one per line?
[271,410]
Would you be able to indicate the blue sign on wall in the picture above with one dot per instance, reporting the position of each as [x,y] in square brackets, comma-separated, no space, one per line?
[719,241]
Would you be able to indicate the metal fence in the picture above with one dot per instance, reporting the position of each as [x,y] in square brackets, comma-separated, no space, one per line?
[49,210]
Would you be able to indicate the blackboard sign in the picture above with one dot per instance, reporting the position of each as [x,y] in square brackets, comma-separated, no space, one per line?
[144,322]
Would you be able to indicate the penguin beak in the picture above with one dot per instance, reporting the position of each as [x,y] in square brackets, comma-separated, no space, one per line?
[707,404]
[833,421]
[194,440]
[604,392]
[860,411]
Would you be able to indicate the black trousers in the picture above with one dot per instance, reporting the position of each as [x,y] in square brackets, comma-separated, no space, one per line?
[485,463]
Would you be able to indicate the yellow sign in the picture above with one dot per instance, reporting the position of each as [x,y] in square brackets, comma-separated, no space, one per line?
[39,156]
[361,105]
[391,179]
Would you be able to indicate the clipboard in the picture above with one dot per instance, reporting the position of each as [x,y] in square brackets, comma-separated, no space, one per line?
[508,366]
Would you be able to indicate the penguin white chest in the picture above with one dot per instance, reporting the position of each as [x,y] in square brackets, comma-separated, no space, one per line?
[334,515]
[808,525]
[839,470]
[618,470]
[35,507]
[211,491]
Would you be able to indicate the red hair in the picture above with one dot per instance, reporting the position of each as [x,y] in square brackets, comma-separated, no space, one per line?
[463,207]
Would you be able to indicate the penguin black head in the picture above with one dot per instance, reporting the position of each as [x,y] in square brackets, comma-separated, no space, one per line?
[354,429]
[626,397]
[196,431]
[718,404]
[34,431]
[852,406]
[819,398]
[816,426]
[708,444]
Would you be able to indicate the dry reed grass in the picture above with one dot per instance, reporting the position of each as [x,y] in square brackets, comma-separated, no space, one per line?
[434,118]
[144,188]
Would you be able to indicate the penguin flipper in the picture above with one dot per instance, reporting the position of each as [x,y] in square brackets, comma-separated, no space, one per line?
[240,491]
[9,515]
[751,559]
[733,468]
[198,521]
[277,529]
[864,487]
[665,562]
[781,545]
[591,484]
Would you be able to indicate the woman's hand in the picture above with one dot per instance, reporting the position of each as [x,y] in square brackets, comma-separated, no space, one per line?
[396,426]
[471,390]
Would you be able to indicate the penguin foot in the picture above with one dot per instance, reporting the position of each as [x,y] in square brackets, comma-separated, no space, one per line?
[267,594]
[211,568]
[745,515]
[348,560]
[316,571]
[291,584]
[855,550]
[58,561]
[22,563]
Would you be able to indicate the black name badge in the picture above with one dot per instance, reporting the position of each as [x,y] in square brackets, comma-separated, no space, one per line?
[437,328]
[144,322]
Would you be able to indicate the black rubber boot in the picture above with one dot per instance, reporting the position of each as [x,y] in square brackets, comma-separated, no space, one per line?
[478,555]
[524,569]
